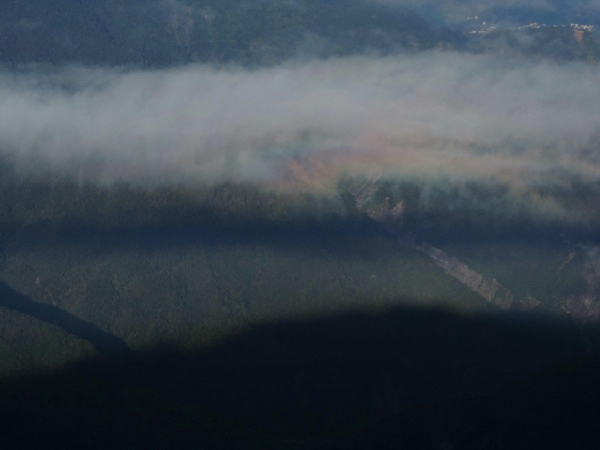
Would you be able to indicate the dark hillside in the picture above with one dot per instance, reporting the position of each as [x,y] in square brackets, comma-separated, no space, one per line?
[299,384]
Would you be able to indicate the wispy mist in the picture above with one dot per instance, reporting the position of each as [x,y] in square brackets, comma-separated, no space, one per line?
[436,116]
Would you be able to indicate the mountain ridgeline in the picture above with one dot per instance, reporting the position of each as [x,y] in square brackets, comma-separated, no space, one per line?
[161,33]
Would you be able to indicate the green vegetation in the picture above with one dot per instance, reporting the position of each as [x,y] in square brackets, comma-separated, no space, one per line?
[158,33]
[30,345]
[193,265]
[543,269]
[557,43]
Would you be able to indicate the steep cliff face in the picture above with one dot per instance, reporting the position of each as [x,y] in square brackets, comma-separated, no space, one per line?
[587,306]
[488,288]
[389,216]
[182,23]
[363,190]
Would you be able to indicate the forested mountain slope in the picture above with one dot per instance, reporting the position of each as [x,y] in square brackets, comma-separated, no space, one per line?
[161,33]
[158,33]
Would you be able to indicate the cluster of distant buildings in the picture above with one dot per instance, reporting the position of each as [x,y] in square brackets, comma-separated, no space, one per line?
[575,26]
[531,26]
[483,30]
[583,27]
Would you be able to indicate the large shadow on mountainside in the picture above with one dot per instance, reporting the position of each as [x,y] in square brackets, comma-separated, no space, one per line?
[319,383]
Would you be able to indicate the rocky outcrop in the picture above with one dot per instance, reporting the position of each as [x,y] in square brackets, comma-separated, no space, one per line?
[489,288]
[582,307]
[567,261]
[587,306]
[391,218]
[529,302]
[182,24]
[363,190]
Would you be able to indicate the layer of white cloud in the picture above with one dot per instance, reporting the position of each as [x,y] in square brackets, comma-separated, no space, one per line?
[432,116]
